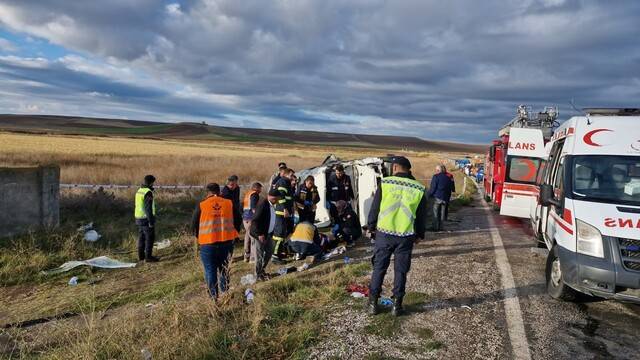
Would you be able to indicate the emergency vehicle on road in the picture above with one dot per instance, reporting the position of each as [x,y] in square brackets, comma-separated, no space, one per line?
[513,161]
[589,206]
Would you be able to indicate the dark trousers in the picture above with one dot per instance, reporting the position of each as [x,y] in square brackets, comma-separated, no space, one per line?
[439,207]
[385,246]
[263,254]
[146,237]
[215,260]
[306,249]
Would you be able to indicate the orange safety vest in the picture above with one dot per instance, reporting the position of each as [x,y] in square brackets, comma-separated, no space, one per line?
[246,205]
[216,221]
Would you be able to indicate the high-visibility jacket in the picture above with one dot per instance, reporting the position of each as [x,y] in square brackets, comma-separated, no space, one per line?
[246,203]
[139,212]
[216,221]
[304,232]
[398,205]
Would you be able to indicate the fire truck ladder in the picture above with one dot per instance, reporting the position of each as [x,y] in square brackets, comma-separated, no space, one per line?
[525,118]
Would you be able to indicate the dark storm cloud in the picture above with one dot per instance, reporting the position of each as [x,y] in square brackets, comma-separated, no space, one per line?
[453,70]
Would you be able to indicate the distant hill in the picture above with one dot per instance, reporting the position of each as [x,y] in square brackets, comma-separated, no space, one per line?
[196,131]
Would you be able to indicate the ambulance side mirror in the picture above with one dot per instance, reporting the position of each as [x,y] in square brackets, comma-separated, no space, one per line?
[547,197]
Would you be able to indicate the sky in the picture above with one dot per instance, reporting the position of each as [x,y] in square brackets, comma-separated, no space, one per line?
[442,70]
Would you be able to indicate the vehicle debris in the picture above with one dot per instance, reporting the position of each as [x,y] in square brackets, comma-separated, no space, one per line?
[101,262]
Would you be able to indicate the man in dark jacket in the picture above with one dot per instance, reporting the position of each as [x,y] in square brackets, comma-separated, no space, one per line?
[307,198]
[232,192]
[440,190]
[338,188]
[261,231]
[453,189]
[145,215]
[284,223]
[347,225]
[398,218]
[281,168]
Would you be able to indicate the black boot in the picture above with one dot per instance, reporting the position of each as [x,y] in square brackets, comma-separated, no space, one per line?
[397,309]
[373,305]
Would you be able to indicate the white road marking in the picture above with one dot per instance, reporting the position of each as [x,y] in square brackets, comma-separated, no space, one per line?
[515,324]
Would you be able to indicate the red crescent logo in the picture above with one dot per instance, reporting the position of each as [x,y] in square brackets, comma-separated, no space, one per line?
[587,137]
[532,170]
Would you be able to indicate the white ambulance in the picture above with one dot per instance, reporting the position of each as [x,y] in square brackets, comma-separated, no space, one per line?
[589,206]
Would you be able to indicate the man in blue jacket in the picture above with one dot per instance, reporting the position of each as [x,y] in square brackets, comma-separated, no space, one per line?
[440,189]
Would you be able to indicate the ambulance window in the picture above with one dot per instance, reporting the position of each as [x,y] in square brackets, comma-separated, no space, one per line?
[522,169]
[541,170]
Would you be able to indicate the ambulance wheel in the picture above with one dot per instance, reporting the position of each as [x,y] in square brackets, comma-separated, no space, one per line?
[556,286]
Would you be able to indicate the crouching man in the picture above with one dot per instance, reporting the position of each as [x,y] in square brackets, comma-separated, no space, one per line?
[213,226]
[303,241]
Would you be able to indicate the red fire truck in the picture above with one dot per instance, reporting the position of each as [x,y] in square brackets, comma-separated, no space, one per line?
[513,160]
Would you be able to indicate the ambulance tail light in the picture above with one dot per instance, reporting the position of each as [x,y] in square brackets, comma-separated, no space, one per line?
[589,240]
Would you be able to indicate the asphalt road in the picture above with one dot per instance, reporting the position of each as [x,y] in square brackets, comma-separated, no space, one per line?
[589,329]
[485,284]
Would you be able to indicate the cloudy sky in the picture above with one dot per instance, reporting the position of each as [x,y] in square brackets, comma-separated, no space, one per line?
[451,70]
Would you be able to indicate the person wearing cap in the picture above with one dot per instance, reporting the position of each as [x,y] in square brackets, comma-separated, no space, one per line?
[281,168]
[145,216]
[213,227]
[249,204]
[262,227]
[307,197]
[440,189]
[231,191]
[338,188]
[397,217]
[347,227]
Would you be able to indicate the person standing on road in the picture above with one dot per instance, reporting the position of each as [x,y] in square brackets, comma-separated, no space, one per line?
[249,204]
[145,215]
[339,188]
[398,218]
[440,190]
[213,227]
[261,231]
[453,189]
[307,198]
[232,192]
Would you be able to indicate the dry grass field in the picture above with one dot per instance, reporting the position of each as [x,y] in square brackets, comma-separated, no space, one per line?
[163,307]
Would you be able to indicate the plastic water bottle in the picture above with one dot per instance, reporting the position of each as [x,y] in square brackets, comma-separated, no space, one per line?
[347,260]
[282,271]
[248,294]
[73,281]
[146,354]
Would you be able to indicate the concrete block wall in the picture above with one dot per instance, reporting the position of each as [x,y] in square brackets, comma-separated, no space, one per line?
[29,199]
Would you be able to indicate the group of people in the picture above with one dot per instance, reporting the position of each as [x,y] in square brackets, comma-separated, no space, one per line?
[282,222]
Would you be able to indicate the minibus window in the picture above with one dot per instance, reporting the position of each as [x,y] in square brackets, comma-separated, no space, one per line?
[607,178]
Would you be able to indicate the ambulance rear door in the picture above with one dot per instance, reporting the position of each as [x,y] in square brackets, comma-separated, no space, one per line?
[525,155]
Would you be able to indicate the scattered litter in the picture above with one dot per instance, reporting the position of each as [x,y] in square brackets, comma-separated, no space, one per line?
[370,249]
[385,302]
[248,295]
[355,288]
[85,228]
[358,295]
[146,354]
[73,281]
[303,267]
[347,260]
[466,307]
[286,270]
[539,251]
[337,251]
[162,244]
[149,305]
[282,271]
[92,236]
[100,261]
[248,279]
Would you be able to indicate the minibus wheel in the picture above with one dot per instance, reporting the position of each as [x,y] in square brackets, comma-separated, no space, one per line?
[556,287]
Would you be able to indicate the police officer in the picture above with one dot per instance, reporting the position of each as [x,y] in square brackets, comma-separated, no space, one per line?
[145,215]
[398,218]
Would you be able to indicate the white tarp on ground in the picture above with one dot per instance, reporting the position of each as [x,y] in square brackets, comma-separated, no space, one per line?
[100,261]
